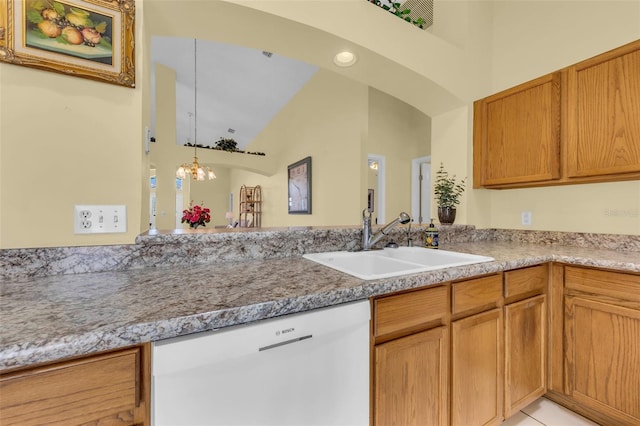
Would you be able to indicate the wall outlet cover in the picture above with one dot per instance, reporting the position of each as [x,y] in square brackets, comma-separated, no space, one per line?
[99,219]
[527,218]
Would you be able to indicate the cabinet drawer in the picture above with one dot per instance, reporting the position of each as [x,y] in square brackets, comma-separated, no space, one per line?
[613,284]
[408,310]
[477,293]
[527,281]
[102,389]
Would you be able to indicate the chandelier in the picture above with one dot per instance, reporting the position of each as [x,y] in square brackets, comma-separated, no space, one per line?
[194,169]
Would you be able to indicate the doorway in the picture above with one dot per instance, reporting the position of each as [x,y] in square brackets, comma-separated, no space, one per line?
[421,189]
[376,163]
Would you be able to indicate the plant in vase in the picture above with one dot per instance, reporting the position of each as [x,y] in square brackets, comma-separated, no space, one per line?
[196,216]
[448,192]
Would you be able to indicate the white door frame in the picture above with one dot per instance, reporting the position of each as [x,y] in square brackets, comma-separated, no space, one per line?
[379,198]
[415,189]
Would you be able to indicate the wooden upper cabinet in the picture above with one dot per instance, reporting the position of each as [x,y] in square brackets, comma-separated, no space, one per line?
[603,114]
[577,125]
[517,134]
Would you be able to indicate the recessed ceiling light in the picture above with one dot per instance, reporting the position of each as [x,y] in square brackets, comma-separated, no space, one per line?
[344,59]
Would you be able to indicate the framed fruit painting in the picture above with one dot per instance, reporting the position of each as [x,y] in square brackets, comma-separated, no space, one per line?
[91,39]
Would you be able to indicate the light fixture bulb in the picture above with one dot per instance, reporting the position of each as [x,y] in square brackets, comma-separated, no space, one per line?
[345,59]
[181,173]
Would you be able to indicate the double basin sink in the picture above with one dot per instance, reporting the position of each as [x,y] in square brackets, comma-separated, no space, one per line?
[392,262]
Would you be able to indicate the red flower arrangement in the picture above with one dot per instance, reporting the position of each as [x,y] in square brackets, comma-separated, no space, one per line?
[196,216]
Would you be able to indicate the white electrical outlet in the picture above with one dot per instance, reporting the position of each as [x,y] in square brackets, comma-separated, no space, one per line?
[99,219]
[526,217]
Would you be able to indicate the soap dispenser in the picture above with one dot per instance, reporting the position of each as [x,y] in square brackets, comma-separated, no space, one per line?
[431,236]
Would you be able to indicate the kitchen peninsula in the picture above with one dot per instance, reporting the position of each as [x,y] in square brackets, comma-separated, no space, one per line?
[57,317]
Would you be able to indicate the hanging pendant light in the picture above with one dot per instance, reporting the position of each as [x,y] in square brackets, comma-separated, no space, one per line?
[194,169]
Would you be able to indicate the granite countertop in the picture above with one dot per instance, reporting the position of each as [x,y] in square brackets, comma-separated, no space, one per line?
[50,318]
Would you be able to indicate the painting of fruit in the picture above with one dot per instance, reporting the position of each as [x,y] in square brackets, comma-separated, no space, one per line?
[69,29]
[92,39]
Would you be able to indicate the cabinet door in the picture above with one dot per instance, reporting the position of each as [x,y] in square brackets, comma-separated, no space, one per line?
[476,370]
[525,353]
[603,114]
[517,134]
[603,357]
[411,380]
[102,389]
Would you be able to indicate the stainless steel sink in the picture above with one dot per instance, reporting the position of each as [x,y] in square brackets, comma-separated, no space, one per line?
[392,262]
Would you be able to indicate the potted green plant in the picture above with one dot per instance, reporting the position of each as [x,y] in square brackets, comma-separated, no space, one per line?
[448,192]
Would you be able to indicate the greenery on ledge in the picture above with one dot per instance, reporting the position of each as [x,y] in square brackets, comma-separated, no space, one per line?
[396,9]
[225,144]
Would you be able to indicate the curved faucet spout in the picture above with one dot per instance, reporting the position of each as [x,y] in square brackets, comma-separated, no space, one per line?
[369,239]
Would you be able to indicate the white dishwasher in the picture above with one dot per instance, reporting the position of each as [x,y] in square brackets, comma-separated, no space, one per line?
[310,368]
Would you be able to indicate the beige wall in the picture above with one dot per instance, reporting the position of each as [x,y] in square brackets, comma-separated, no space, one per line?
[66,141]
[161,153]
[213,194]
[326,121]
[400,133]
[82,140]
[572,31]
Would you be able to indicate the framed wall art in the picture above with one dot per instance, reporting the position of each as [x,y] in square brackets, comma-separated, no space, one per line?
[91,39]
[299,176]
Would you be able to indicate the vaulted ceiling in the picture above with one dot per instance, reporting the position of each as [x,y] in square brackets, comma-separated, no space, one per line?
[237,92]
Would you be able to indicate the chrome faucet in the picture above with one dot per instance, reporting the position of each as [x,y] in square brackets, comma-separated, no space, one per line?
[409,239]
[368,238]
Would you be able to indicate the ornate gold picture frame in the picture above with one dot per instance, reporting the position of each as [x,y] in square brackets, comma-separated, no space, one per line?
[91,39]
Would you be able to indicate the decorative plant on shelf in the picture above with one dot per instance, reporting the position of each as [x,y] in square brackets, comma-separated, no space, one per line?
[227,144]
[196,216]
[396,9]
[448,192]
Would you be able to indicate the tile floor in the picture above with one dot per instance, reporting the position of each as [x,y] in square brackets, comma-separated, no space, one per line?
[547,413]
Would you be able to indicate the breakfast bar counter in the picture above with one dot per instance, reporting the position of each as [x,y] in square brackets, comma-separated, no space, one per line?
[54,317]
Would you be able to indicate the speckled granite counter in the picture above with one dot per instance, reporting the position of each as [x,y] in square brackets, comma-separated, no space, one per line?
[48,318]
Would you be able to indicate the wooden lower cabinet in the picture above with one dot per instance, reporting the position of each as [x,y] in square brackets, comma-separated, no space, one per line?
[411,376]
[525,346]
[484,356]
[602,335]
[476,369]
[603,357]
[594,358]
[475,361]
[106,389]
[410,358]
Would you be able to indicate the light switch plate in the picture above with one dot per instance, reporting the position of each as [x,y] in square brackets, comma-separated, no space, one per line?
[99,219]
